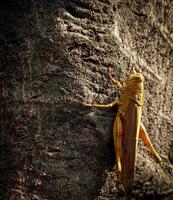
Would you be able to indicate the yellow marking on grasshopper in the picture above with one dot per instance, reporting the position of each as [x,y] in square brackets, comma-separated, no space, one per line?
[127,126]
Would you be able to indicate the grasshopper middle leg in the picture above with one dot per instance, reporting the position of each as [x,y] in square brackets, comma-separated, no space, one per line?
[117,135]
[102,105]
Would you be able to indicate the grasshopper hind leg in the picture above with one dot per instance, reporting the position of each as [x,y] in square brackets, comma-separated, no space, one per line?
[117,135]
[144,136]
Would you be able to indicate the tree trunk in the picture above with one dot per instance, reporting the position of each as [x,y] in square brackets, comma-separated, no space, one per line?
[55,55]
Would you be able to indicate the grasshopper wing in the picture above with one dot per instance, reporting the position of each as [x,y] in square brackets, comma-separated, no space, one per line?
[130,133]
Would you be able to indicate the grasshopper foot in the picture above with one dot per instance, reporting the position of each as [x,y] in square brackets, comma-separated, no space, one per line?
[158,159]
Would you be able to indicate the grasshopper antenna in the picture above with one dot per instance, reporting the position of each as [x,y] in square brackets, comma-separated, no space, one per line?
[133,71]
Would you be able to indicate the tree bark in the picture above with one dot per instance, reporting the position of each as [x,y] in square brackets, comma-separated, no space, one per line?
[55,55]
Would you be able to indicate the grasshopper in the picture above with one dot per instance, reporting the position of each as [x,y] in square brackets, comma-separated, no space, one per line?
[127,127]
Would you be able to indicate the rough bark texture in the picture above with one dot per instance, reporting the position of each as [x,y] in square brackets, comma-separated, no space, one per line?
[55,55]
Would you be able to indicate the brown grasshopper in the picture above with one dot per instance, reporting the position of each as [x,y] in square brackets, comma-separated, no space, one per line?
[128,127]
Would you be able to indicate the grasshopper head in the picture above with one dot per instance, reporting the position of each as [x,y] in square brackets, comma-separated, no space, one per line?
[135,78]
[135,83]
[135,87]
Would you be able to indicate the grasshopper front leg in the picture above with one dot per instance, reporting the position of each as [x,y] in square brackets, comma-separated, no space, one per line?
[117,83]
[144,136]
[102,105]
